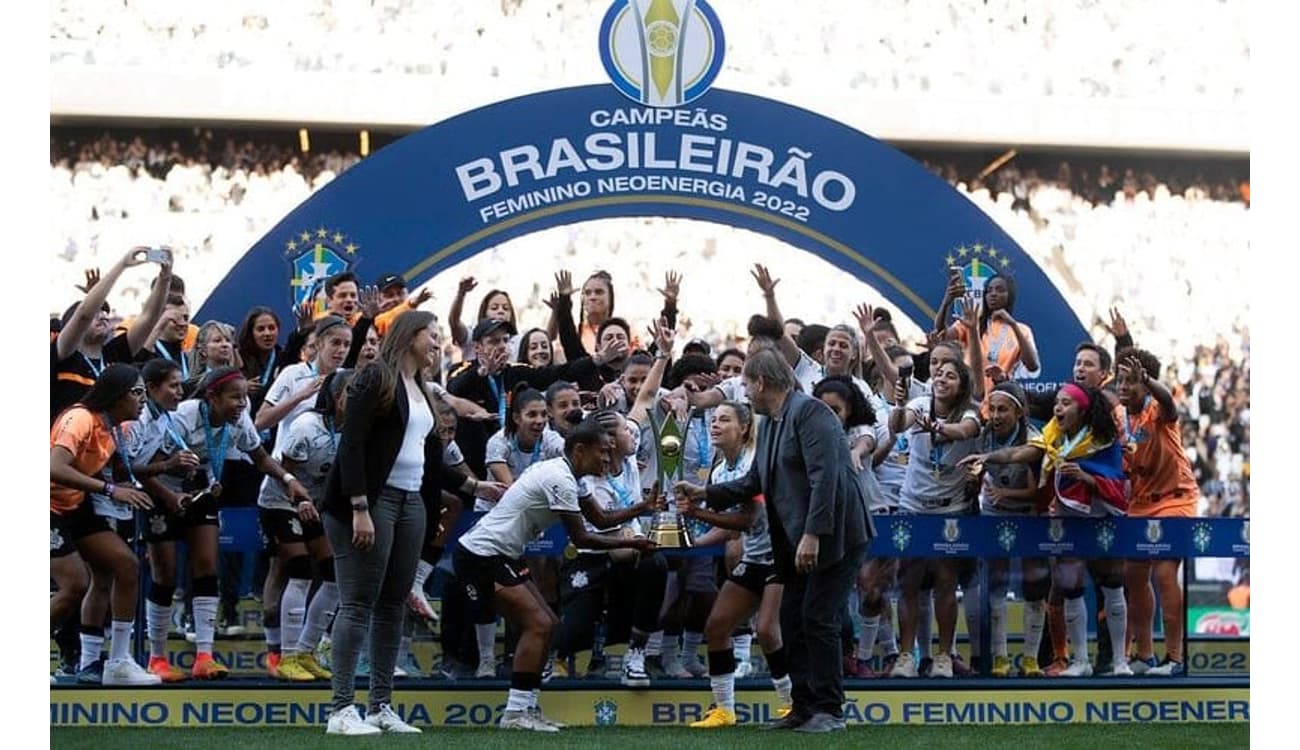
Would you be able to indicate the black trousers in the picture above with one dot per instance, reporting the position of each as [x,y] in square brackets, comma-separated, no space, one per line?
[811,608]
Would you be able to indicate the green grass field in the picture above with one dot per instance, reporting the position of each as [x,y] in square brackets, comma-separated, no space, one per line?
[1057,737]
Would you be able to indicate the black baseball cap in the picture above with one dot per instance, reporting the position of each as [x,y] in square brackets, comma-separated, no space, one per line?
[391,279]
[489,326]
[698,345]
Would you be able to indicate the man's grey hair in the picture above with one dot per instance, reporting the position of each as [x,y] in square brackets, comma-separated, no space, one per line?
[770,365]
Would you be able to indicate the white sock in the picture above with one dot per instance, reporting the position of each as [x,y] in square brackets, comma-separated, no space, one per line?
[422,571]
[742,647]
[272,639]
[1035,617]
[533,696]
[867,639]
[784,687]
[671,650]
[724,691]
[998,623]
[971,604]
[1116,619]
[1076,625]
[205,623]
[293,612]
[691,647]
[887,635]
[157,619]
[486,635]
[925,623]
[91,647]
[654,645]
[318,616]
[519,700]
[121,646]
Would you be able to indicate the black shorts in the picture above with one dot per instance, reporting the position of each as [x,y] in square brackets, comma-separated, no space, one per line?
[78,523]
[281,526]
[753,577]
[486,573]
[161,525]
[125,528]
[583,574]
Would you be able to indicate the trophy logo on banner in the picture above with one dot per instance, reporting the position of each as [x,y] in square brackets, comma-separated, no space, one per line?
[667,527]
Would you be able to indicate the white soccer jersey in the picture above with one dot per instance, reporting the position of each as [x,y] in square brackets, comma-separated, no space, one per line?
[528,508]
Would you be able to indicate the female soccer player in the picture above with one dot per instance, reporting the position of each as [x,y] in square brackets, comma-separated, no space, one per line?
[489,555]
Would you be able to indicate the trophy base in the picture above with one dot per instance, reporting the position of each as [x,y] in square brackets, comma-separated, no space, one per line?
[672,537]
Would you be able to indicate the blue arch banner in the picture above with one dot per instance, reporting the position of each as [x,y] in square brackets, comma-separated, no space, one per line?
[476,180]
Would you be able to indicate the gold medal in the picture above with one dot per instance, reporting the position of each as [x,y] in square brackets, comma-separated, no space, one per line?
[215,489]
[703,473]
[570,551]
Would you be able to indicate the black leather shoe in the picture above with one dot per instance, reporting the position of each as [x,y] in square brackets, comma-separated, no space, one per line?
[821,722]
[791,720]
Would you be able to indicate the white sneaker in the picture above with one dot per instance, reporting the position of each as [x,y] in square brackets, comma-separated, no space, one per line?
[536,711]
[1121,669]
[349,721]
[387,720]
[486,669]
[942,666]
[744,669]
[904,666]
[397,673]
[525,720]
[1078,669]
[127,672]
[634,674]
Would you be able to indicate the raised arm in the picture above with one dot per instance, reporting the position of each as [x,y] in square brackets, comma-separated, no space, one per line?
[140,330]
[645,398]
[955,290]
[561,304]
[766,284]
[1131,366]
[865,316]
[670,292]
[70,337]
[458,331]
[974,348]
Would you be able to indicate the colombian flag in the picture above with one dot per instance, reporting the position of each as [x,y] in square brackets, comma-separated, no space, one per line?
[1105,463]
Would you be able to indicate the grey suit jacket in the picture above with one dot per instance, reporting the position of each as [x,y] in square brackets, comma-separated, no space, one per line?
[803,470]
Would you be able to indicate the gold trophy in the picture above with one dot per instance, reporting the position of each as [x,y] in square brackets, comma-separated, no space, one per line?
[667,527]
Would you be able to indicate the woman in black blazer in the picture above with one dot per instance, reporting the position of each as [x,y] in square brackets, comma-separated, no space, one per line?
[385,484]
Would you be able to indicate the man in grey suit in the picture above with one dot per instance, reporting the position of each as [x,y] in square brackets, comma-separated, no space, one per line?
[819,525]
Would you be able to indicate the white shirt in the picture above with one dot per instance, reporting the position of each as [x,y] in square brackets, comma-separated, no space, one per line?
[614,492]
[505,450]
[408,470]
[934,483]
[312,445]
[188,424]
[528,508]
[291,381]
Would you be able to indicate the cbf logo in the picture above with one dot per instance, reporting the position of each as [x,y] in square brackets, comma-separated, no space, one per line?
[1105,536]
[313,257]
[978,264]
[901,535]
[1006,535]
[1201,536]
[951,530]
[606,712]
[664,53]
[1154,531]
[1056,530]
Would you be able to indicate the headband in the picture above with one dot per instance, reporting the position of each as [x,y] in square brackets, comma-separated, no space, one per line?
[1078,394]
[1010,395]
[328,322]
[216,383]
